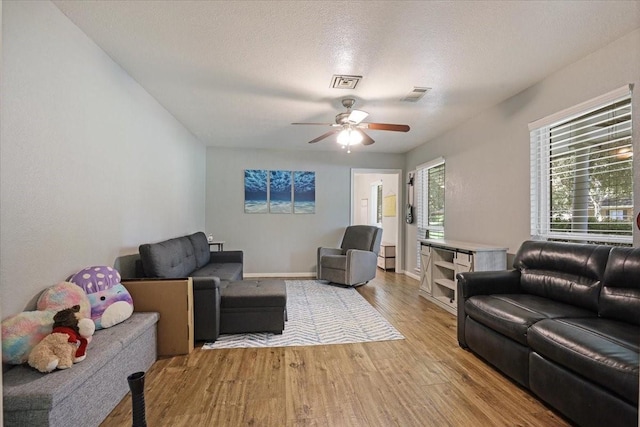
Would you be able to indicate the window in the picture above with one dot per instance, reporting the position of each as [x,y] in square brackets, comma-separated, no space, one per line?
[429,182]
[616,214]
[582,172]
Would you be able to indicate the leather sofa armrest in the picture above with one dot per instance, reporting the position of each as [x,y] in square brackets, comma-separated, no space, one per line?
[224,257]
[483,283]
[488,282]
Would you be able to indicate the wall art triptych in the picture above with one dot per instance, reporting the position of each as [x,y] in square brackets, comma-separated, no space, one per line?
[279,191]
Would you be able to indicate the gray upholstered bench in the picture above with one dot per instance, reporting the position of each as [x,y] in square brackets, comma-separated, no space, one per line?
[84,394]
[253,306]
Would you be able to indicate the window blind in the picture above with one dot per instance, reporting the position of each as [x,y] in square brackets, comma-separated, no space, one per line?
[429,200]
[582,173]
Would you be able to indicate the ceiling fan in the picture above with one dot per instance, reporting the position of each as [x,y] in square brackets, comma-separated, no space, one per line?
[349,127]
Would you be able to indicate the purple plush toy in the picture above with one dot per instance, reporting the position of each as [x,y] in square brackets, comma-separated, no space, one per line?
[110,301]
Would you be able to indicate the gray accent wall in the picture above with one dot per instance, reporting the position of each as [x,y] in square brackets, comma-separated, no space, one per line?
[91,165]
[284,244]
[487,158]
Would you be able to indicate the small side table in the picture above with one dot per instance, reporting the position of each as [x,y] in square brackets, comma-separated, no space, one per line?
[387,256]
[218,243]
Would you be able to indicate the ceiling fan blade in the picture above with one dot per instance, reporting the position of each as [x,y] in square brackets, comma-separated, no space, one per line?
[386,126]
[322,124]
[356,116]
[366,139]
[323,136]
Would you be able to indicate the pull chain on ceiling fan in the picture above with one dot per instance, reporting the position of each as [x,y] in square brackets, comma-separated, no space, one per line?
[349,127]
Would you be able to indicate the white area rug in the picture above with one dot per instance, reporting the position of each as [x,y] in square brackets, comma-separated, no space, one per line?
[319,314]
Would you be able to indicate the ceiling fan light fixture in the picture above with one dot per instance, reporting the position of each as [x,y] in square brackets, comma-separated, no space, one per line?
[348,137]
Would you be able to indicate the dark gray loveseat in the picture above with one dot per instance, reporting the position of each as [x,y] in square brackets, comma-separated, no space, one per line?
[190,256]
[565,323]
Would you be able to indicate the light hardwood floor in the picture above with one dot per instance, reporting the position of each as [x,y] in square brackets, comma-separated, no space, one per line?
[423,380]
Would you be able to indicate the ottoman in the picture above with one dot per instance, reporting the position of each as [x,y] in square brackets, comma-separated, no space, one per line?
[253,306]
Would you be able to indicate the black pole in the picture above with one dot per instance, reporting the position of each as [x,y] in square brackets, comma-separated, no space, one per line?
[136,384]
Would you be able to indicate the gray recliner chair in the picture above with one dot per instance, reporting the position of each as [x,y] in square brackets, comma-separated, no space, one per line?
[354,263]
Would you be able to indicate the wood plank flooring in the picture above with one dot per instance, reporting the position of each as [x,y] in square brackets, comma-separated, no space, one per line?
[423,380]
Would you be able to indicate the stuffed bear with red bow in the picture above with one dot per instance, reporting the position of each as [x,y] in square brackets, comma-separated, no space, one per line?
[67,343]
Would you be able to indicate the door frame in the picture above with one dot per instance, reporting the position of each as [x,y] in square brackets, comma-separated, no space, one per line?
[399,210]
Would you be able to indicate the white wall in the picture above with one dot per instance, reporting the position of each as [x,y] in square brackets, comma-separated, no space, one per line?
[362,190]
[283,244]
[487,158]
[90,164]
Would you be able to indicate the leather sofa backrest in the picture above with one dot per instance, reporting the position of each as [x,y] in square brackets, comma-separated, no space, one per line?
[620,294]
[170,259]
[200,248]
[363,237]
[565,272]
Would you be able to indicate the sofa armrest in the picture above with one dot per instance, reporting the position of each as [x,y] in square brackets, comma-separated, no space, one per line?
[488,282]
[322,252]
[223,257]
[201,283]
[329,251]
[206,308]
[483,283]
[361,265]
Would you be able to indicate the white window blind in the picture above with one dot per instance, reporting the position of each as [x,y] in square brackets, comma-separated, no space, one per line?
[429,201]
[582,174]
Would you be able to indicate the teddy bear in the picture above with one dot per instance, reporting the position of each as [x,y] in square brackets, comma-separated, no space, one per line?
[67,343]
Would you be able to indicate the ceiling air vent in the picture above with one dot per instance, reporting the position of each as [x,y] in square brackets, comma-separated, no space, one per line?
[416,94]
[344,82]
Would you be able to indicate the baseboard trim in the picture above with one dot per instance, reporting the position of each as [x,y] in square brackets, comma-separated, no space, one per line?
[307,274]
[412,275]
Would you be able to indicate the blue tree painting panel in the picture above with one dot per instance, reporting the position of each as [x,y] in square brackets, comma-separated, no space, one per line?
[255,191]
[280,191]
[304,192]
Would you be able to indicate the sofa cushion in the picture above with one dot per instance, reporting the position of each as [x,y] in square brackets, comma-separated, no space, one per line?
[200,248]
[570,273]
[620,295]
[513,314]
[602,350]
[226,271]
[170,259]
[253,293]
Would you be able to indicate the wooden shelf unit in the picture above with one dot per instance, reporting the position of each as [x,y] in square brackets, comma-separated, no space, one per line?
[442,260]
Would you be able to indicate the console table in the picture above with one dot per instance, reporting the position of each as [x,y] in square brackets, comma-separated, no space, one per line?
[441,260]
[218,243]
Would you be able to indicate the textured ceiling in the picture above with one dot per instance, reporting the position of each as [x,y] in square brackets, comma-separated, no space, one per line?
[236,74]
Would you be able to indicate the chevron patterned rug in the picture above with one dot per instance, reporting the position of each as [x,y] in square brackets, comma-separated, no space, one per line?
[318,314]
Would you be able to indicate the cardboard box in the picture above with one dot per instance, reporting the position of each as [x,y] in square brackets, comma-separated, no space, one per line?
[173,299]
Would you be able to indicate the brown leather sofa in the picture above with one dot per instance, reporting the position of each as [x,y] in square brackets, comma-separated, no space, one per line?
[564,323]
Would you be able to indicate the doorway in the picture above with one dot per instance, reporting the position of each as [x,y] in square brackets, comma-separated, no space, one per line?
[375,200]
